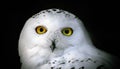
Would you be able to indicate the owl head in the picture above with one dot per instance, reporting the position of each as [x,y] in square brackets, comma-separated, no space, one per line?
[51,31]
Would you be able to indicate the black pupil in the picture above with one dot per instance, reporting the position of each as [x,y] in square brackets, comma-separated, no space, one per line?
[66,31]
[41,29]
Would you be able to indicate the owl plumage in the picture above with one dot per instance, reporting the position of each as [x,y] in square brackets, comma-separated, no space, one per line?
[57,39]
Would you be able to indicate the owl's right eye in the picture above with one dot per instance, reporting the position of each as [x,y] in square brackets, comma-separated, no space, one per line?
[41,29]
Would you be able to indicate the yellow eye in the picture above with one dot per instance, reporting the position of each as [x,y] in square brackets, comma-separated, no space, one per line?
[41,30]
[67,31]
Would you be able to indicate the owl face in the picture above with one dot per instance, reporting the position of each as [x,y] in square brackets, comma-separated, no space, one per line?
[54,31]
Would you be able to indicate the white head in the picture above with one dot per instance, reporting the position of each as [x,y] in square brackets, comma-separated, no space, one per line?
[51,31]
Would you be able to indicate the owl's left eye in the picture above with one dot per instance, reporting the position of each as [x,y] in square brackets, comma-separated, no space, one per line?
[67,31]
[41,29]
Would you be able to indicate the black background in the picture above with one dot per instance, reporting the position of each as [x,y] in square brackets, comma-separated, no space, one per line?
[100,19]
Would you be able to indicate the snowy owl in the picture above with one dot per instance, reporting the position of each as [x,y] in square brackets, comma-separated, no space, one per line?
[57,39]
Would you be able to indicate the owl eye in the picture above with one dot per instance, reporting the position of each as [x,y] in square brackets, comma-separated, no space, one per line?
[67,31]
[41,29]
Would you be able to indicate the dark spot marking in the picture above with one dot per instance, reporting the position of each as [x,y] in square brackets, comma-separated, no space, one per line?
[62,63]
[35,15]
[89,59]
[48,11]
[54,9]
[81,68]
[73,68]
[63,12]
[43,12]
[44,15]
[52,67]
[67,15]
[73,62]
[69,61]
[59,68]
[100,67]
[53,62]
[60,11]
[77,60]
[95,61]
[82,61]
[49,62]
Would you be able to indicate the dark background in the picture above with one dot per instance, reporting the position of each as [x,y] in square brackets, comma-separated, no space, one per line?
[100,19]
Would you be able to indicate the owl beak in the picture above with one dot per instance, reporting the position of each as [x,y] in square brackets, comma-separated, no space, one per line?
[53,46]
